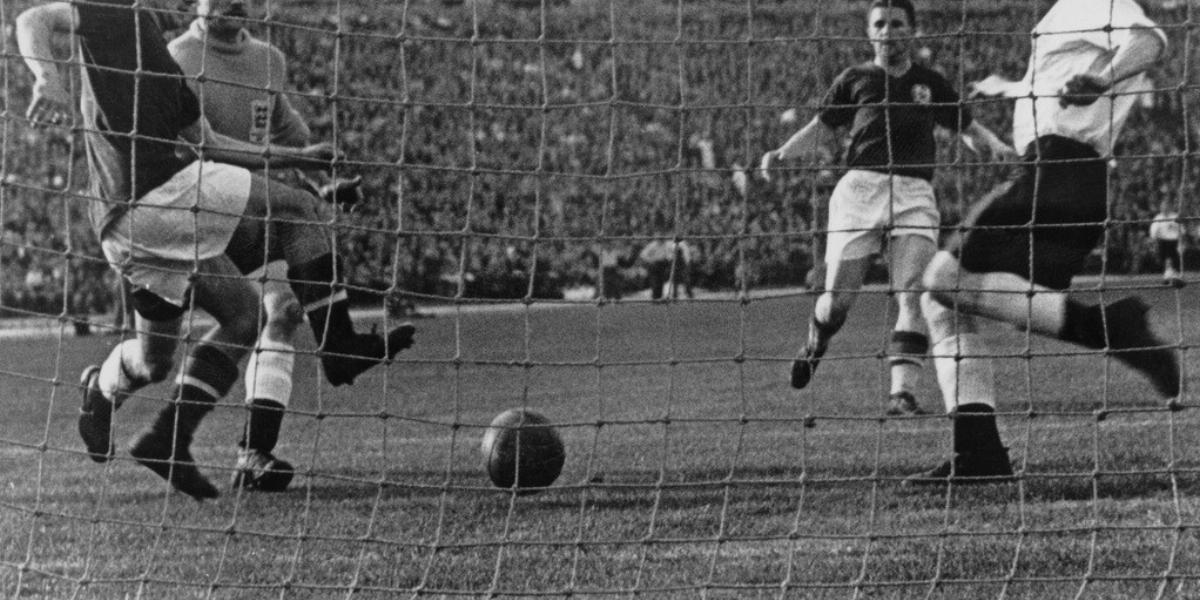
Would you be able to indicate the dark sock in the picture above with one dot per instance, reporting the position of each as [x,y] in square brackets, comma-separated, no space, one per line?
[320,292]
[262,430]
[206,368]
[1083,325]
[975,429]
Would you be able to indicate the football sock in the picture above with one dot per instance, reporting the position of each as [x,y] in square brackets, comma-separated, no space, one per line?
[964,376]
[319,290]
[114,381]
[207,375]
[269,372]
[825,322]
[268,391]
[262,429]
[975,429]
[906,355]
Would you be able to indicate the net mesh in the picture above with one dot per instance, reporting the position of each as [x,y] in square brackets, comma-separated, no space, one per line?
[517,159]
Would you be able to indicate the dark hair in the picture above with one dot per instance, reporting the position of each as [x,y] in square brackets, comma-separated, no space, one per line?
[906,5]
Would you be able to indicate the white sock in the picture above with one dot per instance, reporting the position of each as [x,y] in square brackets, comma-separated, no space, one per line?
[964,372]
[114,381]
[269,372]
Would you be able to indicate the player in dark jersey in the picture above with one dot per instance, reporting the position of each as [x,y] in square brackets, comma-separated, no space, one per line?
[891,106]
[166,221]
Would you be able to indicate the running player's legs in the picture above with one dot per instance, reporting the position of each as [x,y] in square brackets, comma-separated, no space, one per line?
[855,207]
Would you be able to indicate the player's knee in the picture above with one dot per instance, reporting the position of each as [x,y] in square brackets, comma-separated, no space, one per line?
[942,321]
[283,313]
[243,328]
[944,281]
[157,368]
[153,307]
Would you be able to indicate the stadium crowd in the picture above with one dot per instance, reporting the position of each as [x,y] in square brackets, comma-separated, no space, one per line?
[488,155]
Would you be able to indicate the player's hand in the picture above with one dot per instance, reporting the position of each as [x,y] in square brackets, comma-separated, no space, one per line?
[1004,153]
[323,152]
[764,166]
[50,104]
[1082,90]
[990,86]
[342,191]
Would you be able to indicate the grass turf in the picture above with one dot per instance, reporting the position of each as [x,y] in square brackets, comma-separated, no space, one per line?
[692,470]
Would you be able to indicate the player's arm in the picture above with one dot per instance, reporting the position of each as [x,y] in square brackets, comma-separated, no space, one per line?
[976,135]
[1140,51]
[222,148]
[36,29]
[995,86]
[803,144]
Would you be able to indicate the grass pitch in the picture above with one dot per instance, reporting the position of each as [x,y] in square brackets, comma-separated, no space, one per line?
[692,471]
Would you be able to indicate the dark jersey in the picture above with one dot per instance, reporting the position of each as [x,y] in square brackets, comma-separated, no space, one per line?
[891,119]
[132,120]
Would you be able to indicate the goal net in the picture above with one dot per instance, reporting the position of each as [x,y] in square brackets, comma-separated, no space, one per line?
[563,197]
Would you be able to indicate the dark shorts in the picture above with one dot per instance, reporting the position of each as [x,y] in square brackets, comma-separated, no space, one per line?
[1044,221]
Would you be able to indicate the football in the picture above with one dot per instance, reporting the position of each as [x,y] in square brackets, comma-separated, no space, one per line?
[522,450]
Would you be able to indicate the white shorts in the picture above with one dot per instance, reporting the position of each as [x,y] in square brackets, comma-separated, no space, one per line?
[157,243]
[865,204]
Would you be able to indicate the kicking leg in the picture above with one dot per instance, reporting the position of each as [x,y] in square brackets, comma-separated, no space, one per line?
[317,279]
[1120,326]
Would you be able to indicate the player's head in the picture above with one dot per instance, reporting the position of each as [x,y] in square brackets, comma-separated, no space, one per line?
[890,25]
[169,14]
[223,17]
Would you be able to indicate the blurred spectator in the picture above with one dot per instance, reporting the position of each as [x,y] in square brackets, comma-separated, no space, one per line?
[1167,233]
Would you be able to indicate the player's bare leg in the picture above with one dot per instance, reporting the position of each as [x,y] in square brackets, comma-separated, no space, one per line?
[146,358]
[209,371]
[843,280]
[967,383]
[1121,326]
[908,257]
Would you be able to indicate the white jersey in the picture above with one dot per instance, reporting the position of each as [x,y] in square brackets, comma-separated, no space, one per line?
[1070,40]
[1165,227]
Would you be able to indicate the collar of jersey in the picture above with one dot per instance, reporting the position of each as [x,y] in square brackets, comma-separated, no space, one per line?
[237,47]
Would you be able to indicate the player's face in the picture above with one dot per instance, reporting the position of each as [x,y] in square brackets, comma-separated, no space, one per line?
[890,32]
[223,16]
[170,14]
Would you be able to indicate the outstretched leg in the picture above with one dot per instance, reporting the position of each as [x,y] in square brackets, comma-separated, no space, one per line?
[1119,326]
[297,232]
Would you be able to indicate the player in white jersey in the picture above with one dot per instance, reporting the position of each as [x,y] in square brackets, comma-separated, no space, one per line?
[891,107]
[238,79]
[1025,241]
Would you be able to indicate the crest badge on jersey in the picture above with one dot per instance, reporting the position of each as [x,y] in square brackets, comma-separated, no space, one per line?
[922,94]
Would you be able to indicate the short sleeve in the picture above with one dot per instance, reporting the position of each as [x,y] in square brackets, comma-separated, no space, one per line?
[838,106]
[951,112]
[102,19]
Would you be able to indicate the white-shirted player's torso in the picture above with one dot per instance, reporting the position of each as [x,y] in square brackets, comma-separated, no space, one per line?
[1070,40]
